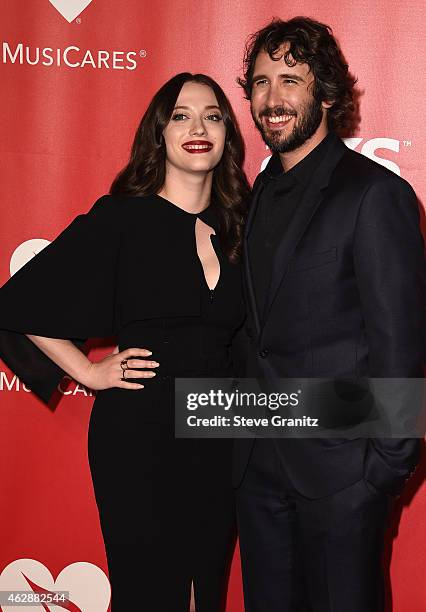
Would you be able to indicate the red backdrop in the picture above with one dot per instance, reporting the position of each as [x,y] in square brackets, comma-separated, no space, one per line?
[76,78]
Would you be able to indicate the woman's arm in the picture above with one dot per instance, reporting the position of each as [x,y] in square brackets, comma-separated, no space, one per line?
[104,374]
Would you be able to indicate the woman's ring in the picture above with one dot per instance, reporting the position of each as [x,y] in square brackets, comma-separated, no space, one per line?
[124,367]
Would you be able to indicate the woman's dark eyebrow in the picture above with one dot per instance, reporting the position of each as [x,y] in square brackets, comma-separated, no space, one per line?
[206,108]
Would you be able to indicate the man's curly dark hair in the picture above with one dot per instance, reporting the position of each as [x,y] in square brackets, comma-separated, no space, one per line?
[312,43]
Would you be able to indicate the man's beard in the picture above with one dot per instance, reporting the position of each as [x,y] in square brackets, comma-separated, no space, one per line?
[308,119]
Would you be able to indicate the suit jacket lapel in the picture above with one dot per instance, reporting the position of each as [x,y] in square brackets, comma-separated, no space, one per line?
[311,200]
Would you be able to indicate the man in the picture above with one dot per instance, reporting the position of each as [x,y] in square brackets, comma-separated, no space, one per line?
[334,276]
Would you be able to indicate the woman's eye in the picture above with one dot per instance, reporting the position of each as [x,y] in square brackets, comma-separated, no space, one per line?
[179,117]
[214,117]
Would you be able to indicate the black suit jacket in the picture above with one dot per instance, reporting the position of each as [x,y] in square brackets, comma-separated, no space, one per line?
[346,300]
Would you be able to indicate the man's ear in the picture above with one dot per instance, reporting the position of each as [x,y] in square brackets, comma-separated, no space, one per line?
[326,104]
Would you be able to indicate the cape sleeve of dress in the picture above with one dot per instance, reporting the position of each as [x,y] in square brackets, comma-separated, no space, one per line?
[66,291]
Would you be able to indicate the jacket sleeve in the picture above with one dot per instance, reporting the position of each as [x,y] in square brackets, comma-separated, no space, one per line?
[66,291]
[390,269]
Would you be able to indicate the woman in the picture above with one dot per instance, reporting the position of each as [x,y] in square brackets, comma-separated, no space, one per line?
[156,264]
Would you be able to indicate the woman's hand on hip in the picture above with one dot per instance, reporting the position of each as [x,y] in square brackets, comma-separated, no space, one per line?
[118,369]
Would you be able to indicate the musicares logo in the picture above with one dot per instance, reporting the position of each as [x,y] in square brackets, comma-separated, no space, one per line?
[71,56]
[70,9]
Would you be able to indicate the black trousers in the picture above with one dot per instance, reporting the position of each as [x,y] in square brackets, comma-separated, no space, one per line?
[308,555]
[167,512]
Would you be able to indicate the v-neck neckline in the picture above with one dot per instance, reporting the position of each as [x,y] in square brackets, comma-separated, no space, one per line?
[213,236]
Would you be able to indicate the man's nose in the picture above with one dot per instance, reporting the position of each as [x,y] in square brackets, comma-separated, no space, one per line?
[274,97]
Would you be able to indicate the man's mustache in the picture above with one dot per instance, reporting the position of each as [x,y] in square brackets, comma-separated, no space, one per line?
[277,111]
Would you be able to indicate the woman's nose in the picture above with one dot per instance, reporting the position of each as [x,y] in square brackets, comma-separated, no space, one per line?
[197,128]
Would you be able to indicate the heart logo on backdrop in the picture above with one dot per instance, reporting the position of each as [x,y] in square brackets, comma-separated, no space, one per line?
[88,586]
[70,9]
[26,251]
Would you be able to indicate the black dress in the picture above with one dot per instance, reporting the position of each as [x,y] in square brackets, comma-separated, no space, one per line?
[166,505]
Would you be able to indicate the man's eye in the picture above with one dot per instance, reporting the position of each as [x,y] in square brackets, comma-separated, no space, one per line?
[260,83]
[289,81]
[214,117]
[179,117]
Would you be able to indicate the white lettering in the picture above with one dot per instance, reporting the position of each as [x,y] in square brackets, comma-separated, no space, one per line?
[294,399]
[370,147]
[46,54]
[352,143]
[103,57]
[66,51]
[203,399]
[215,421]
[88,59]
[116,60]
[18,51]
[28,56]
[72,56]
[132,63]
[80,389]
[241,421]
[265,163]
[9,384]
[279,421]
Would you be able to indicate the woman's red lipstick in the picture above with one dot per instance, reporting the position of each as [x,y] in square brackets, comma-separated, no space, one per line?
[197,146]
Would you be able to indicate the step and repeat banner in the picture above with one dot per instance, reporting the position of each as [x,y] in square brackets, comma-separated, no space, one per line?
[76,76]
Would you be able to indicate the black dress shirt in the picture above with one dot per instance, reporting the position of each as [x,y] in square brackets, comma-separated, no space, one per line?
[277,204]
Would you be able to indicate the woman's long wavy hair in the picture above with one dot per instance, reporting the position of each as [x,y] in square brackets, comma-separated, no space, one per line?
[313,43]
[145,173]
